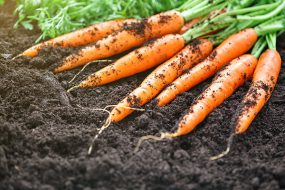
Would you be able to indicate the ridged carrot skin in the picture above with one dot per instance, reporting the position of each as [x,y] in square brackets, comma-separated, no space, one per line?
[263,83]
[137,61]
[223,86]
[230,49]
[162,76]
[132,36]
[81,37]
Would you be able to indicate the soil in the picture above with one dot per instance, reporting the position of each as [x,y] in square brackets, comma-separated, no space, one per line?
[45,132]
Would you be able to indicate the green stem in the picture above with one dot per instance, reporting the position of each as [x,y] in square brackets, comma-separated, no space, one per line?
[271,40]
[272,27]
[189,5]
[202,10]
[259,47]
[280,8]
[204,30]
[245,3]
[246,10]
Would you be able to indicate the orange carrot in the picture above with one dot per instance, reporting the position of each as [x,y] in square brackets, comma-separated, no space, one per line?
[224,85]
[81,37]
[132,36]
[263,83]
[230,49]
[162,76]
[137,61]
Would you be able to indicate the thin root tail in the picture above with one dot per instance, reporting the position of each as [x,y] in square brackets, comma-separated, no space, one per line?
[83,68]
[17,56]
[224,153]
[105,126]
[73,88]
[151,137]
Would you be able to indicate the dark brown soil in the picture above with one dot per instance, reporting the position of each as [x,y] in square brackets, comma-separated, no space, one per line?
[44,135]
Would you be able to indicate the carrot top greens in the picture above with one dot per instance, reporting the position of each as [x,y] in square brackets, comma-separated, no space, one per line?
[56,17]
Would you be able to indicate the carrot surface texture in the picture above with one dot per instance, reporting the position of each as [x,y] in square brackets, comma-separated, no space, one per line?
[231,48]
[81,37]
[162,76]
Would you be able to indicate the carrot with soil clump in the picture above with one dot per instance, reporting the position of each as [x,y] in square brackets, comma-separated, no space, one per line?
[137,61]
[223,85]
[81,37]
[263,83]
[137,34]
[162,76]
[132,36]
[223,54]
[232,47]
[142,59]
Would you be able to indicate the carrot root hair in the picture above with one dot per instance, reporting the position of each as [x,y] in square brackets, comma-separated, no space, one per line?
[83,68]
[106,124]
[224,153]
[73,88]
[162,136]
[17,56]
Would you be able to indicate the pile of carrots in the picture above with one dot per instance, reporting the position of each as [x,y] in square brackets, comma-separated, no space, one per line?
[201,39]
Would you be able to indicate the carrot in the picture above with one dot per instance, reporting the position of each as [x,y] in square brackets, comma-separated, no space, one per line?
[263,83]
[81,37]
[137,61]
[231,48]
[223,85]
[132,36]
[162,76]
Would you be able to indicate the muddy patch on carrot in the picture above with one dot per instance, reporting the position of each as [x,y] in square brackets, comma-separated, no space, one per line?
[45,135]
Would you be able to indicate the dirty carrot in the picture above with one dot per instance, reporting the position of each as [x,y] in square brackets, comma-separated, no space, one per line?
[234,46]
[132,36]
[223,86]
[263,83]
[162,76]
[137,61]
[80,37]
[231,48]
[135,35]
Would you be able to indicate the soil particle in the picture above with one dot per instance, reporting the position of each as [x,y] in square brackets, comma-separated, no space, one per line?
[45,132]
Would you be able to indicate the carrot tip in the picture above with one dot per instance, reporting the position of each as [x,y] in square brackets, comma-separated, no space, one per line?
[155,138]
[73,88]
[17,56]
[224,153]
[105,126]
